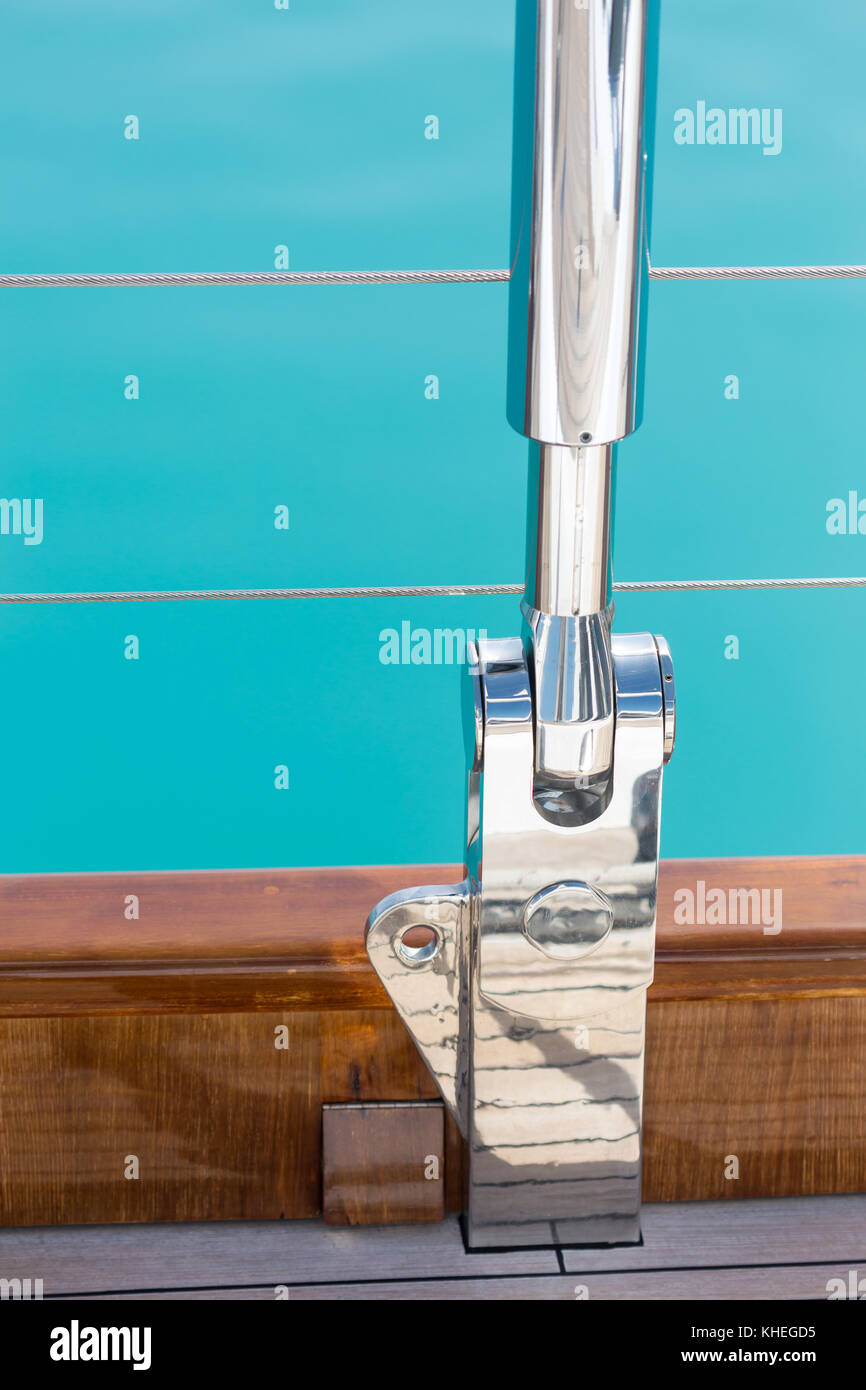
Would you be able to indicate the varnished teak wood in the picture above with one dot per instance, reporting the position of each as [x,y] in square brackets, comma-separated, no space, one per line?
[226,1125]
[156,1038]
[293,938]
[383,1163]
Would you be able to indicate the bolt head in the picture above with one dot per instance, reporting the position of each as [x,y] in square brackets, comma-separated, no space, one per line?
[567,920]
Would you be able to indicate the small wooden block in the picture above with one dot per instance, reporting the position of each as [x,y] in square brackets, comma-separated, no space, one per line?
[383,1164]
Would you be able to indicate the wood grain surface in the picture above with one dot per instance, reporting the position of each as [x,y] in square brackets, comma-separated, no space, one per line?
[224,1123]
[376,1163]
[227,1126]
[792,1283]
[762,1250]
[155,1038]
[294,938]
[753,1234]
[779,1085]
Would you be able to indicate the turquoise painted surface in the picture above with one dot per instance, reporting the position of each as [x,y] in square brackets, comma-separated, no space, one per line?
[248,399]
[168,761]
[305,127]
[318,400]
[739,487]
[731,204]
[257,127]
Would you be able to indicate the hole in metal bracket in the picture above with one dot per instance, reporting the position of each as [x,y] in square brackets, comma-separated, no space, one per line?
[417,945]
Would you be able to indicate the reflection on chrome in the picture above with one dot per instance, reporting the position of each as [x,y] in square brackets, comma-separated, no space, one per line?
[529,1005]
[578,261]
[539,1052]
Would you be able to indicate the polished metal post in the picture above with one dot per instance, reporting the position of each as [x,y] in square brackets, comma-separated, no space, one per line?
[575,307]
[527,998]
[568,609]
[579,194]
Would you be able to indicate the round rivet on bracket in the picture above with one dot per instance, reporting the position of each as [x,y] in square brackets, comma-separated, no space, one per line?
[567,920]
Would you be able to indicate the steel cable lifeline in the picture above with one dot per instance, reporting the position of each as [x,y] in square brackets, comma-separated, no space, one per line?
[409,277]
[131,279]
[423,590]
